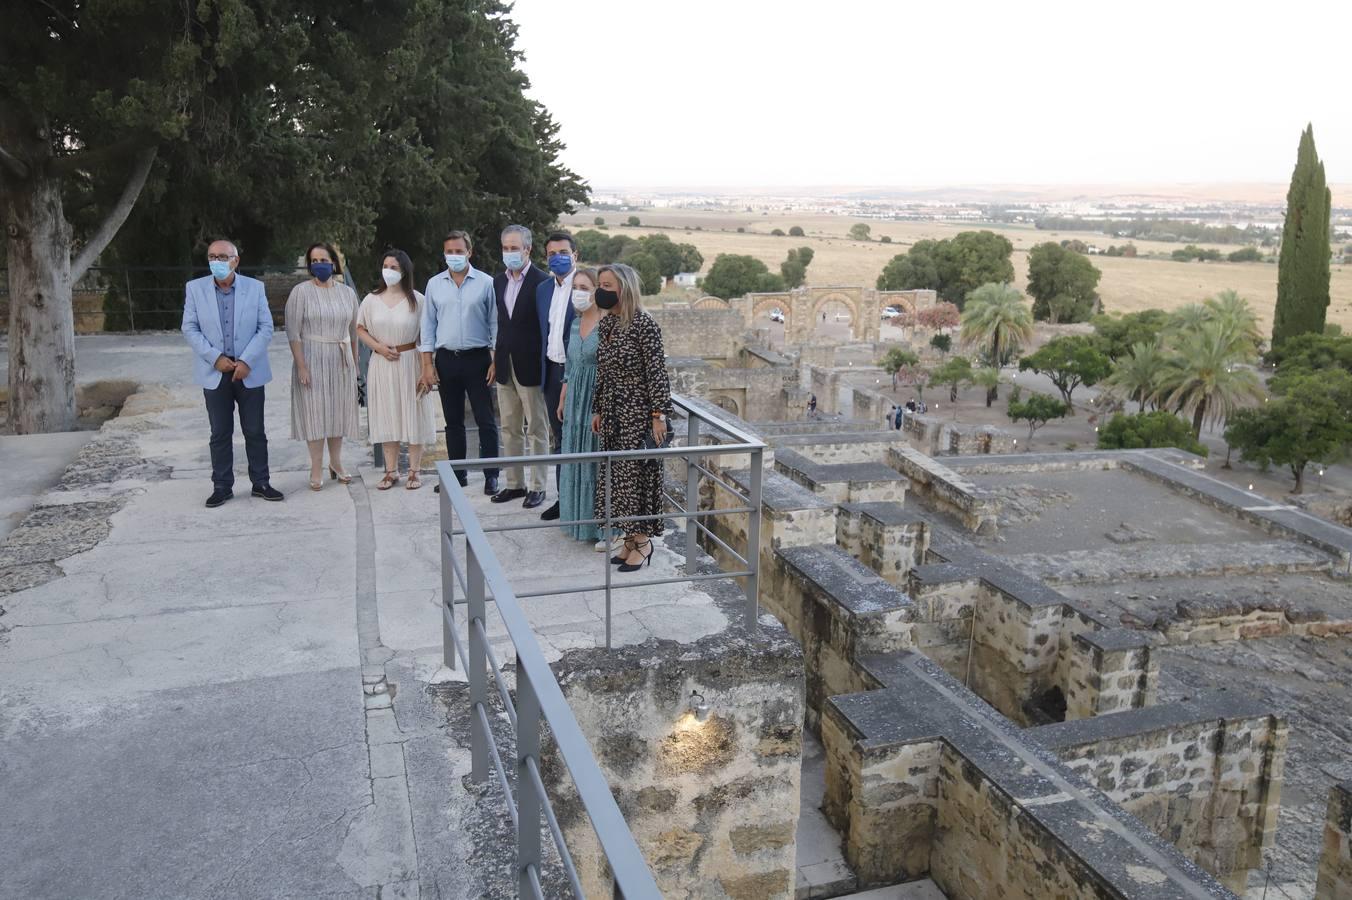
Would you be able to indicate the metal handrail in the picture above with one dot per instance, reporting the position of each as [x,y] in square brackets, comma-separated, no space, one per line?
[539,698]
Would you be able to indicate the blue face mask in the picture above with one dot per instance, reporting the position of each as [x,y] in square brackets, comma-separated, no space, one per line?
[513,259]
[220,269]
[322,270]
[456,262]
[560,264]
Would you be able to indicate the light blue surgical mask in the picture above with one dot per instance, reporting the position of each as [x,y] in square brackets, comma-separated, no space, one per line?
[456,262]
[220,269]
[513,259]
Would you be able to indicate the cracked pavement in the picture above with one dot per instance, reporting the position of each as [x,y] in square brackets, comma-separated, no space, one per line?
[250,701]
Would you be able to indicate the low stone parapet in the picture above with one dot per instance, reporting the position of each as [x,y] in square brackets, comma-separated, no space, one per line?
[945,489]
[1204,774]
[845,482]
[924,779]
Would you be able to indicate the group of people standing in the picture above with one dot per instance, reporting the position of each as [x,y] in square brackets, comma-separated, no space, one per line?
[576,364]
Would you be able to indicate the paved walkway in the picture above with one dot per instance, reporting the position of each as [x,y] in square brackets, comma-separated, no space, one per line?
[249,701]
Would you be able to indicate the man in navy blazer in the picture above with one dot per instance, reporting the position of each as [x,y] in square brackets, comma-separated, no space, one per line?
[554,305]
[521,404]
[228,325]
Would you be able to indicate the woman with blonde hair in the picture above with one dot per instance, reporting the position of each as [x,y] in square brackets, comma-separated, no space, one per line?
[630,411]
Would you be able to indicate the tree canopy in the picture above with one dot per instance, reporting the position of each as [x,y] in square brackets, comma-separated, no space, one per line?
[274,123]
[1118,334]
[954,266]
[1311,421]
[1037,410]
[1069,361]
[734,275]
[955,372]
[1303,262]
[1062,283]
[794,268]
[860,231]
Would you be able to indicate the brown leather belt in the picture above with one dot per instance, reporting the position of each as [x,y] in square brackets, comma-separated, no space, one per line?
[404,348]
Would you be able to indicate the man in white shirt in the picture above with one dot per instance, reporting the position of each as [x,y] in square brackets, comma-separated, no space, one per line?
[555,307]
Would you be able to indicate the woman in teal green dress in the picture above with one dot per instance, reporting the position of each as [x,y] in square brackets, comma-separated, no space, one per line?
[577,481]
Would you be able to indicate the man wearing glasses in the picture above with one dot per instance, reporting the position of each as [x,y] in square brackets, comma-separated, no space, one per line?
[228,325]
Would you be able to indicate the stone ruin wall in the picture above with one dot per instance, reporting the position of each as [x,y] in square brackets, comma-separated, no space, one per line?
[713,805]
[1205,776]
[1335,866]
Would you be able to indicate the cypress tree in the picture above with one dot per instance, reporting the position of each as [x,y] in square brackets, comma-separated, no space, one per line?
[1303,267]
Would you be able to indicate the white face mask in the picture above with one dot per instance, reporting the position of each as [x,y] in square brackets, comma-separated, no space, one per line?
[391,276]
[582,300]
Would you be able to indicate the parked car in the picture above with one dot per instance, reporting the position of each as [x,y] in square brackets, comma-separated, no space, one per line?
[891,312]
[776,315]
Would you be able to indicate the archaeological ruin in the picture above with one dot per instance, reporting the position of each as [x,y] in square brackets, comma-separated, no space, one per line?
[977,672]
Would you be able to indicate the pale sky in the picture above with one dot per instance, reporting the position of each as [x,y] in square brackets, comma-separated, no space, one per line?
[750,93]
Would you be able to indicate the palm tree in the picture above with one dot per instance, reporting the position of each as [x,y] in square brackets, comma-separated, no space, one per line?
[1187,318]
[988,378]
[996,320]
[1234,313]
[1204,378]
[1137,375]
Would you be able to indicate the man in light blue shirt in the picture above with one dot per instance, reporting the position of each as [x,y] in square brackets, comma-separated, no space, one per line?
[459,329]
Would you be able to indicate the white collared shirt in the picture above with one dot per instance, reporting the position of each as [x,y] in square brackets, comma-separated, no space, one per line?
[558,314]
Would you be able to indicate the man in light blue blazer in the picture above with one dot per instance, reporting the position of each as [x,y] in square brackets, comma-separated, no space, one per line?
[228,325]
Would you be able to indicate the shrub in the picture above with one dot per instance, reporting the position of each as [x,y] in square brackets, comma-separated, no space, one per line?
[1160,428]
[796,231]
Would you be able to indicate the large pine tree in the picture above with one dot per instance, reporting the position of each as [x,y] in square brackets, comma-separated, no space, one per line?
[1303,267]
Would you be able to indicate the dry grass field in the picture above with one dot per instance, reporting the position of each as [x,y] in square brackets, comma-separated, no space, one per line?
[1127,285]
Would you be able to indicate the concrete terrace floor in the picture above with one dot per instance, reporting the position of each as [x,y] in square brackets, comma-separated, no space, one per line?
[182,712]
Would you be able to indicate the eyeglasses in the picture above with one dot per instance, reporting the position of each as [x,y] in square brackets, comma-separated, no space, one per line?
[219,257]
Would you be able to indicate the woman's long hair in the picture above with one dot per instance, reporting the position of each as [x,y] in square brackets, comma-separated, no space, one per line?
[406,282]
[630,292]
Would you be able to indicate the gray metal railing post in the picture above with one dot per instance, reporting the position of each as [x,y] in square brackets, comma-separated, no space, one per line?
[447,582]
[478,665]
[528,803]
[753,523]
[691,494]
[606,555]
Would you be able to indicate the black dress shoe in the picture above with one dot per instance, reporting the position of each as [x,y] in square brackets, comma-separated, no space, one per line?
[552,513]
[491,485]
[218,497]
[534,499]
[509,494]
[437,488]
[267,492]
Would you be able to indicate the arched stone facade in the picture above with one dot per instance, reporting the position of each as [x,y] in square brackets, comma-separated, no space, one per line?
[803,306]
[711,302]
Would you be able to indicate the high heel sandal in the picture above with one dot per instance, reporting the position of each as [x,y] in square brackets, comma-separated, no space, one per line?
[647,557]
[619,559]
[340,477]
[317,485]
[389,481]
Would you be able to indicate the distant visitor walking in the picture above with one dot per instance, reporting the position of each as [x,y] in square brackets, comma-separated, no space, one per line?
[228,325]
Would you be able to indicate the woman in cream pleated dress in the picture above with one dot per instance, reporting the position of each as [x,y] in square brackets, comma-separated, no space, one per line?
[321,322]
[396,410]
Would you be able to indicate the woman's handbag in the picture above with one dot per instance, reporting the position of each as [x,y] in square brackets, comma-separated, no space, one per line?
[650,441]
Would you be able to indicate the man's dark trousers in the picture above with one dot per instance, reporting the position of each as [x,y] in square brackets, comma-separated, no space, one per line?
[221,403]
[462,373]
[553,390]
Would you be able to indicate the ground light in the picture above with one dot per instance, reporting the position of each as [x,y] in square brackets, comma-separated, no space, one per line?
[699,706]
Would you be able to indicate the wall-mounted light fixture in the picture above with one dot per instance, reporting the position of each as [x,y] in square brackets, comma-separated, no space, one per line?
[699,706]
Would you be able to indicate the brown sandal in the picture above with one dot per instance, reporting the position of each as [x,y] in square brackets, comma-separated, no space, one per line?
[389,481]
[411,483]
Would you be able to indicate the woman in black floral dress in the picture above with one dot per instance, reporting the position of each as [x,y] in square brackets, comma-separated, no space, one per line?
[630,407]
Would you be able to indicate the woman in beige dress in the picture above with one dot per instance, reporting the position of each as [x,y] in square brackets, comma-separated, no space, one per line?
[321,321]
[397,409]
